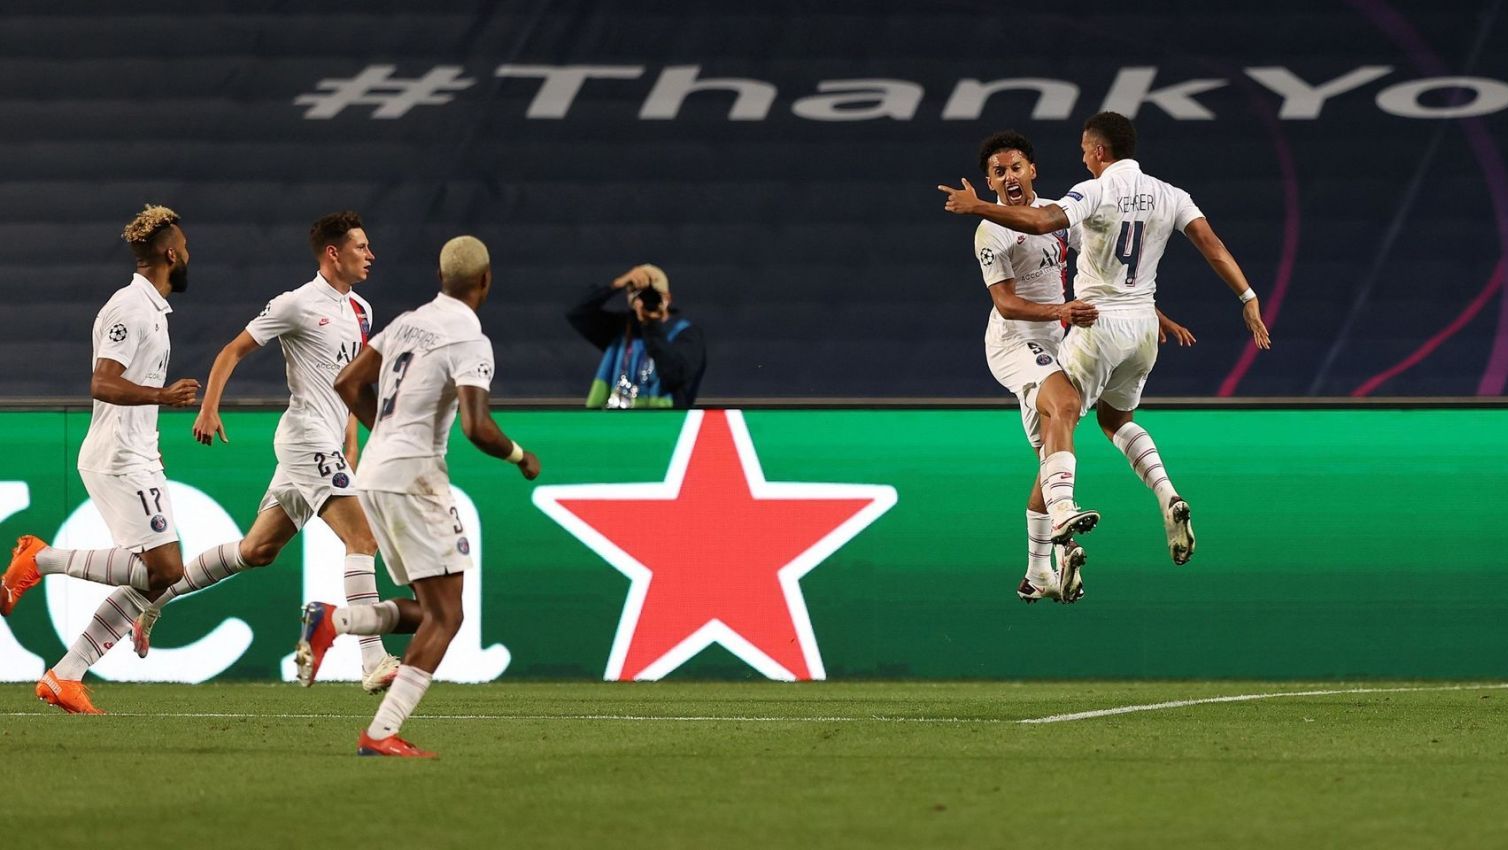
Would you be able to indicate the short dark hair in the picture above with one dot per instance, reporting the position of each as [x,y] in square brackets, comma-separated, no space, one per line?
[1007,140]
[332,230]
[1117,131]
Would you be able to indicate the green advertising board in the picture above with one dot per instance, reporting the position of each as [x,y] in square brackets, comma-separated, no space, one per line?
[856,543]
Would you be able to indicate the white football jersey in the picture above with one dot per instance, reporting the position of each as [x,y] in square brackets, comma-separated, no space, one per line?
[426,354]
[1038,264]
[132,330]
[1127,218]
[320,331]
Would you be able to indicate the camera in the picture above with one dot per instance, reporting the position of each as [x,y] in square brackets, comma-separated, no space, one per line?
[651,298]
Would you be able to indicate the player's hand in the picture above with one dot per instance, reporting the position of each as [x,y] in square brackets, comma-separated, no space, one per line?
[1078,313]
[1251,312]
[1166,327]
[961,201]
[529,466]
[206,425]
[183,392]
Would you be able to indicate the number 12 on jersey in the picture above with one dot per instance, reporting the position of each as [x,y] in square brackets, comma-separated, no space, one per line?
[1128,248]
[400,365]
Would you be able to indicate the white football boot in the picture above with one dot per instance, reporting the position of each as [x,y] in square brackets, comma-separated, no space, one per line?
[382,676]
[1069,519]
[1175,520]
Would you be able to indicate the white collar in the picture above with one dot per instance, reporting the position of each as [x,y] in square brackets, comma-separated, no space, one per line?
[451,304]
[327,288]
[150,290]
[1123,165]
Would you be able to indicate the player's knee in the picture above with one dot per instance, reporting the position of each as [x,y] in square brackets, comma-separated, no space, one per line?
[362,545]
[259,554]
[164,576]
[1111,420]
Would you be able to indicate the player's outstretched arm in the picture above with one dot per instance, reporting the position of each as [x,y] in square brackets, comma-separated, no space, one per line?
[354,385]
[1012,306]
[480,428]
[207,424]
[1220,259]
[1036,220]
[110,386]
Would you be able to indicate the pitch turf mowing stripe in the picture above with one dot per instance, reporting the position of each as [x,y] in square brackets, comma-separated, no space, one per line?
[639,718]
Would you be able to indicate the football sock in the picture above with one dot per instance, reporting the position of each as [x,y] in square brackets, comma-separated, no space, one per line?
[378,619]
[1136,444]
[361,589]
[211,566]
[1057,480]
[107,566]
[1038,545]
[110,624]
[408,688]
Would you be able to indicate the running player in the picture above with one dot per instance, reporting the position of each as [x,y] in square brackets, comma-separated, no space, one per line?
[426,363]
[1127,217]
[119,461]
[321,327]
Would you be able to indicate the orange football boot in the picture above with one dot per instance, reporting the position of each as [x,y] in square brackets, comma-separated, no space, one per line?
[22,574]
[392,745]
[68,694]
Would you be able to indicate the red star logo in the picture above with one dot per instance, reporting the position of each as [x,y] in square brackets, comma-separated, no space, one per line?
[714,553]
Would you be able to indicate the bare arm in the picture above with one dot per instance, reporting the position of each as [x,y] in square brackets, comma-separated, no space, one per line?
[351,444]
[1036,220]
[1166,327]
[109,385]
[207,424]
[478,426]
[1219,257]
[354,385]
[1012,306]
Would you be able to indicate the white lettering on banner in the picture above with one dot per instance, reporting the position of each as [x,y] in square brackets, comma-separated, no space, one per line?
[677,81]
[1055,98]
[861,100]
[324,581]
[1302,101]
[895,99]
[563,82]
[1488,96]
[16,663]
[71,602]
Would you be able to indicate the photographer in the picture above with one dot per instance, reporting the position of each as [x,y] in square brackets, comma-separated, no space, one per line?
[650,358]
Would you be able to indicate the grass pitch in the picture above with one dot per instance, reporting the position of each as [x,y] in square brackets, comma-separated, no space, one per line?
[765,765]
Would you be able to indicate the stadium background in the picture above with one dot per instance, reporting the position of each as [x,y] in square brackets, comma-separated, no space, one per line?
[816,255]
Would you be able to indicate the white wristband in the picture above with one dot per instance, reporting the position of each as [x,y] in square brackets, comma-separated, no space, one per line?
[517,455]
[1249,295]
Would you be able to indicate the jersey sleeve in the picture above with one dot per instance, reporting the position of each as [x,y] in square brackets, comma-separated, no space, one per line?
[1075,238]
[277,318]
[1184,210]
[121,333]
[991,252]
[377,341]
[1081,201]
[471,364]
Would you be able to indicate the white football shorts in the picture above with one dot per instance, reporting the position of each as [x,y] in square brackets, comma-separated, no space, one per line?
[305,479]
[136,507]
[1110,360]
[1021,366]
[420,535]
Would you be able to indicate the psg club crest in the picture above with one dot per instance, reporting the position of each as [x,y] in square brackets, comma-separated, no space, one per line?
[715,553]
[341,480]
[463,546]
[1044,359]
[159,523]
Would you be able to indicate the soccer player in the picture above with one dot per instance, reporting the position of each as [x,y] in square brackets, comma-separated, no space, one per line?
[321,327]
[1026,274]
[426,363]
[119,461]
[1127,218]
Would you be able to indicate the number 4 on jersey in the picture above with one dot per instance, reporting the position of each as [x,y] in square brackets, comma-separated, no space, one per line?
[1128,248]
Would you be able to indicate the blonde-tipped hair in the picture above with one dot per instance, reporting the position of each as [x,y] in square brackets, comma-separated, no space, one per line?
[462,261]
[146,224]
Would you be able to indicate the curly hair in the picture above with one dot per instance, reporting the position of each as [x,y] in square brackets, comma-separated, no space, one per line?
[1117,131]
[332,230]
[1008,140]
[149,226]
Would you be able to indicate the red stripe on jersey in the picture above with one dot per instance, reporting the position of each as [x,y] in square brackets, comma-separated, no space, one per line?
[361,320]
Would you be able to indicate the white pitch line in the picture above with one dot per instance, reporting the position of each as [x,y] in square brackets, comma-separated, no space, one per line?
[1185,703]
[698,718]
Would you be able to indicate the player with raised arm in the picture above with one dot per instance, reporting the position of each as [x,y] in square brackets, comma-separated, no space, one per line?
[1127,217]
[426,364]
[119,461]
[321,327]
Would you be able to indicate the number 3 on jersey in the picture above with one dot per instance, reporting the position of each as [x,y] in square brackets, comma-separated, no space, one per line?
[400,365]
[1128,248]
